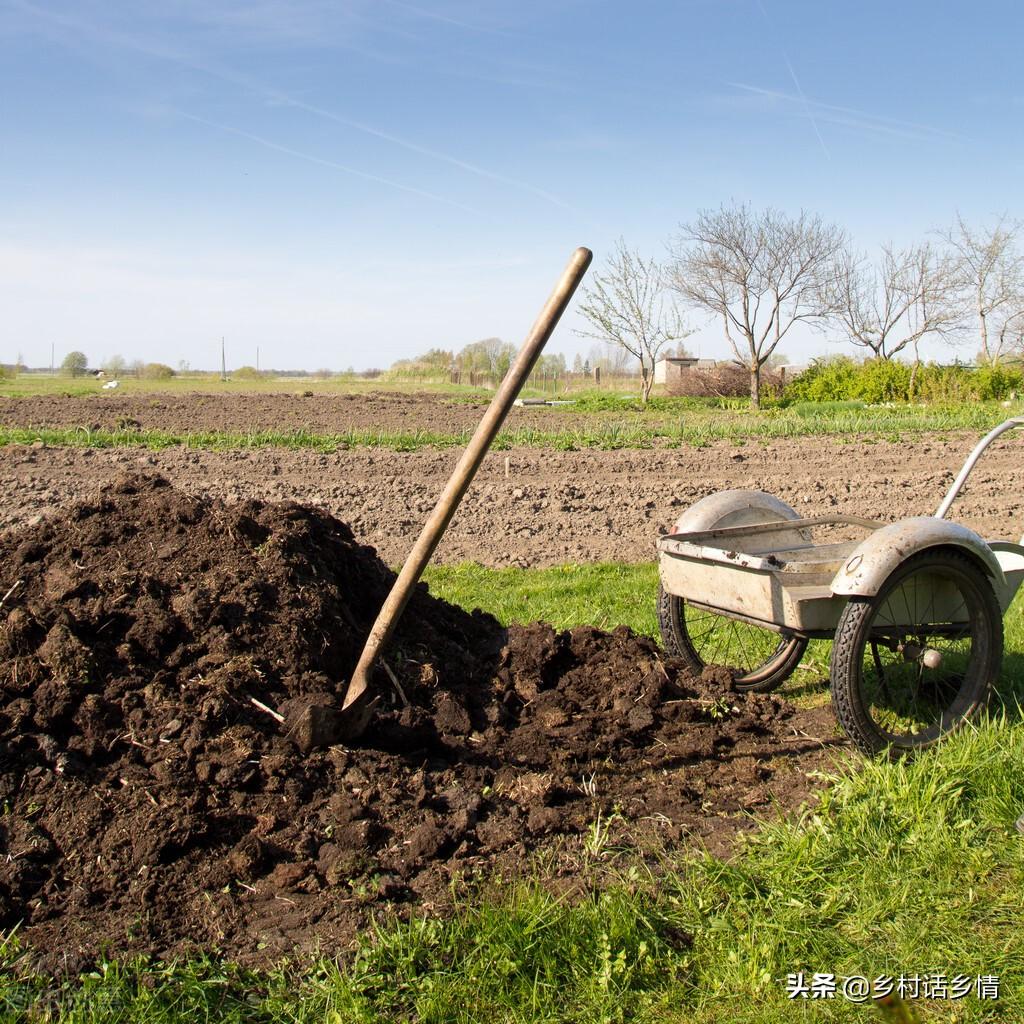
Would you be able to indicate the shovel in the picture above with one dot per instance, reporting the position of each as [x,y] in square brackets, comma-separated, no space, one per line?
[317,725]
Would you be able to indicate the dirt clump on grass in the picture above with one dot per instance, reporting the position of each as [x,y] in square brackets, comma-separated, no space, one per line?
[152,802]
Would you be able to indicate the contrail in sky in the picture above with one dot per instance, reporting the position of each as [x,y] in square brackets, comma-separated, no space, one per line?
[130,42]
[807,106]
[796,82]
[422,150]
[853,118]
[434,16]
[325,163]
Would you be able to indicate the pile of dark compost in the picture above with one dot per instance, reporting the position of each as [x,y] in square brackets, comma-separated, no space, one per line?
[151,801]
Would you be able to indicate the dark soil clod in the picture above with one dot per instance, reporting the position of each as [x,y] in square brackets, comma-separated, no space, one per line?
[153,801]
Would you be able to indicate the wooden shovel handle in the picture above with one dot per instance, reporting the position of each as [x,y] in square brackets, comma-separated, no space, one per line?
[464,472]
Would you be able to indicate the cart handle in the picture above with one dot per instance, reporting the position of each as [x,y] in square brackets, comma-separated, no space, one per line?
[1017,421]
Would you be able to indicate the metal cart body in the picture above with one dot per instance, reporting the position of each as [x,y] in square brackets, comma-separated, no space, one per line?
[915,607]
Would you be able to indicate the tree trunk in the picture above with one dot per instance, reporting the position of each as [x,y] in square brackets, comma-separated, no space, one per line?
[985,354]
[755,385]
[646,383]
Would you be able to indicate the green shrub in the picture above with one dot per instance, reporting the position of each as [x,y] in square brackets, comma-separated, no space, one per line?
[881,380]
[157,371]
[842,379]
[74,364]
[998,382]
[825,380]
[951,384]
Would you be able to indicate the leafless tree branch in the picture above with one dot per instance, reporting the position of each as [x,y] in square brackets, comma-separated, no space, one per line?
[886,306]
[991,270]
[760,272]
[627,306]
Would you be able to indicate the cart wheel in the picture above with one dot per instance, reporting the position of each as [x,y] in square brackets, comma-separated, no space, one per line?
[918,659]
[761,658]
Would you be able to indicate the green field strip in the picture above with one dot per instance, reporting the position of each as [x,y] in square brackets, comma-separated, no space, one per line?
[697,429]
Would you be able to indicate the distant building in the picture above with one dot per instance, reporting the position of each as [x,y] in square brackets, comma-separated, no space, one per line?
[791,370]
[671,368]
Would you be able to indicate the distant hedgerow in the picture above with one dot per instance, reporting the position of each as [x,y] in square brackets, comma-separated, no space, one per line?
[874,381]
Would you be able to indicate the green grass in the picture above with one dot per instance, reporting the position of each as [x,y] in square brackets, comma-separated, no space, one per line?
[209,383]
[28,384]
[913,867]
[603,595]
[158,440]
[610,594]
[697,428]
[907,868]
[610,436]
[600,594]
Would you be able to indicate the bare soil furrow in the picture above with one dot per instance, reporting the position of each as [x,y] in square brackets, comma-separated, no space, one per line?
[551,507]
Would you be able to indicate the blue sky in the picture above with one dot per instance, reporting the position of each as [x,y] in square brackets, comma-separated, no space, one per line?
[350,182]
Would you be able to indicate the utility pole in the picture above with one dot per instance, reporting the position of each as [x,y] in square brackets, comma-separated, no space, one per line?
[51,358]
[223,363]
[257,359]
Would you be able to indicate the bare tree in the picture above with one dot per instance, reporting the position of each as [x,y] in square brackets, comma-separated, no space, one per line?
[680,351]
[626,306]
[490,356]
[759,273]
[1009,332]
[992,271]
[609,359]
[886,306]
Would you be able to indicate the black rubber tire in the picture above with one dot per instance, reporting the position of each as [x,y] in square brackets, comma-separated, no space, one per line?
[764,675]
[972,670]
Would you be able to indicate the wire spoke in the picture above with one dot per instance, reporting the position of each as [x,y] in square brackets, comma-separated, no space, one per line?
[722,640]
[903,695]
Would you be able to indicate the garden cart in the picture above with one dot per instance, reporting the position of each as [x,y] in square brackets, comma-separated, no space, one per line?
[914,608]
